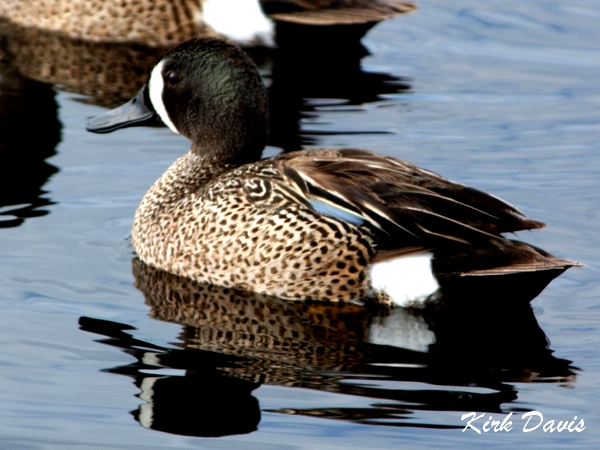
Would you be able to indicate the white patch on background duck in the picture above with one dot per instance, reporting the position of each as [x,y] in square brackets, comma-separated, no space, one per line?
[402,329]
[406,279]
[240,20]
[155,86]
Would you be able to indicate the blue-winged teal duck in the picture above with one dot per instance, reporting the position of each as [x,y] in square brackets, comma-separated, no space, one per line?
[169,22]
[317,224]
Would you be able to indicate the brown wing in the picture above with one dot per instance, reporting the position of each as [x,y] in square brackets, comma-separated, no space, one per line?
[334,12]
[409,205]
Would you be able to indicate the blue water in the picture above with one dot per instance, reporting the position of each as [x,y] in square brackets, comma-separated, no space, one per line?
[503,96]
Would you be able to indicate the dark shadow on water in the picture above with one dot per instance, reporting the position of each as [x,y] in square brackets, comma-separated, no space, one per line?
[450,358]
[29,133]
[320,67]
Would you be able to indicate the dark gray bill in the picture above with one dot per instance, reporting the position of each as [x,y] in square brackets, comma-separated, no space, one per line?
[132,113]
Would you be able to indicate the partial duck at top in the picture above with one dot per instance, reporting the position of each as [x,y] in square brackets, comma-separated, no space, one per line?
[328,224]
[169,22]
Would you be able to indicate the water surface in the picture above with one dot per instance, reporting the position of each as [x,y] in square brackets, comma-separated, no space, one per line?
[503,96]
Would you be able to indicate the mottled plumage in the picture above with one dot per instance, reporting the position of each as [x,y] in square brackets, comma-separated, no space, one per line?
[148,22]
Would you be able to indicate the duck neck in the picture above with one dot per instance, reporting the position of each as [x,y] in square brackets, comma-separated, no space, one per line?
[227,156]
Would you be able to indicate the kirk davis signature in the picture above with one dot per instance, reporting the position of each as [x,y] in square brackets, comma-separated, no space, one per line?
[535,417]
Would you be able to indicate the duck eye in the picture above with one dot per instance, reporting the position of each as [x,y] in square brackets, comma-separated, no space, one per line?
[172,78]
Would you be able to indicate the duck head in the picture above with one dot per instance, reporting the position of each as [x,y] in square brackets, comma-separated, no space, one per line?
[207,90]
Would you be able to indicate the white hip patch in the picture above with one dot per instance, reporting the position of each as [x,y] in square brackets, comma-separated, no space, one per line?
[405,279]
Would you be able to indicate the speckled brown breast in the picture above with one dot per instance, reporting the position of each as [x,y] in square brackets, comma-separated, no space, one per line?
[247,231]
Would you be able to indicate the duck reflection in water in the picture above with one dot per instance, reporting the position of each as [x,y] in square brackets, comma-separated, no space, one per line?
[319,73]
[24,169]
[232,342]
[109,72]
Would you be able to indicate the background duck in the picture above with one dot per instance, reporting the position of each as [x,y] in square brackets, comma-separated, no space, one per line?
[318,224]
[169,22]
